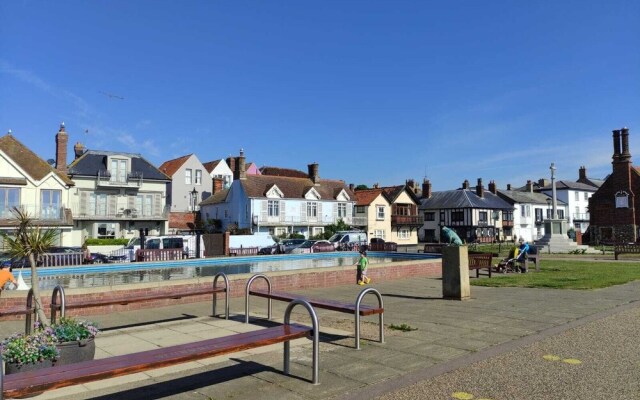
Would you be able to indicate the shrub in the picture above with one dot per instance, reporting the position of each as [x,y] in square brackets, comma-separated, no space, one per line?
[107,242]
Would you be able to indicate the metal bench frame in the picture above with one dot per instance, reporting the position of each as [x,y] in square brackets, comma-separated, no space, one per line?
[317,305]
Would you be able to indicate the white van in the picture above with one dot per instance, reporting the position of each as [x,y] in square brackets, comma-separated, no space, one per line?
[346,240]
[185,242]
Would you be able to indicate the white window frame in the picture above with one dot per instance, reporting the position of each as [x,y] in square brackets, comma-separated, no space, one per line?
[404,234]
[118,170]
[576,197]
[312,209]
[379,233]
[188,176]
[380,214]
[273,208]
[342,210]
[198,177]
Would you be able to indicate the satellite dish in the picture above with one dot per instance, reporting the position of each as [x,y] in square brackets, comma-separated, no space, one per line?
[51,162]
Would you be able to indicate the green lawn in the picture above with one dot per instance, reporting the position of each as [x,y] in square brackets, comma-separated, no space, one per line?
[568,274]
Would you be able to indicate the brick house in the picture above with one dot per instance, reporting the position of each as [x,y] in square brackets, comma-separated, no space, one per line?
[613,207]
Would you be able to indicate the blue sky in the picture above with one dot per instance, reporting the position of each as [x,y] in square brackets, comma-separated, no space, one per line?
[374,91]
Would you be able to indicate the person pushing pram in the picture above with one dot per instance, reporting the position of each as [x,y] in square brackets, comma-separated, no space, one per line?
[515,261]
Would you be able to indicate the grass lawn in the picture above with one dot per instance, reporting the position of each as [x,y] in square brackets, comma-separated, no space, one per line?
[568,274]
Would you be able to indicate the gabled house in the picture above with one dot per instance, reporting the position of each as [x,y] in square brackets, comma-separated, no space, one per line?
[190,184]
[475,214]
[221,174]
[405,219]
[279,205]
[614,207]
[117,194]
[373,213]
[531,208]
[30,183]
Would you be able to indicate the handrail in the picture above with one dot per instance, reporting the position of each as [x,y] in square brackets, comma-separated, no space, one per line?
[226,293]
[358,301]
[316,338]
[246,296]
[58,291]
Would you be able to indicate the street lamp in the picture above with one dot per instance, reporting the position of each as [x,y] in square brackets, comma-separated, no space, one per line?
[194,199]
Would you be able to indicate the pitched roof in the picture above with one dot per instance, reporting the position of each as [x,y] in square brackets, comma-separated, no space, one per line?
[93,161]
[36,167]
[365,197]
[516,196]
[172,166]
[394,191]
[464,198]
[566,185]
[292,188]
[216,198]
[211,165]
[277,171]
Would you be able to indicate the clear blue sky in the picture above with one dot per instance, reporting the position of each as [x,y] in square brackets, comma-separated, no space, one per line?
[374,91]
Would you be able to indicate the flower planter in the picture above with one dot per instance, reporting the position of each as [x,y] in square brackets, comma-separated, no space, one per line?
[12,368]
[77,351]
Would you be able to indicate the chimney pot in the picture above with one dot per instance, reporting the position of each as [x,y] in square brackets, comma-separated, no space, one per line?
[508,186]
[313,172]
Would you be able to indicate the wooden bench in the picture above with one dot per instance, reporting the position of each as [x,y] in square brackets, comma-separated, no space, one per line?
[28,311]
[63,305]
[34,382]
[356,308]
[481,261]
[625,248]
[533,256]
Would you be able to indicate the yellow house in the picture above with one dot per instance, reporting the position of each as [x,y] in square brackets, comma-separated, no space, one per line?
[373,213]
[405,220]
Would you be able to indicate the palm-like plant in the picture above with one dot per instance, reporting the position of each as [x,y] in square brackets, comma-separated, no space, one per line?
[30,241]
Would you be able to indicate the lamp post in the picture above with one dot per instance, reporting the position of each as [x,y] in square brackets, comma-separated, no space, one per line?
[549,208]
[194,199]
[554,213]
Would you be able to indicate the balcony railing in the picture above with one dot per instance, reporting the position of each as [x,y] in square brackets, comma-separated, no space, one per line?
[131,180]
[581,216]
[407,219]
[119,214]
[297,220]
[37,212]
[507,223]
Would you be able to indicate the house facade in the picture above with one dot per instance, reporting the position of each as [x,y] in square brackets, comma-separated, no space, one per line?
[575,198]
[219,171]
[31,184]
[530,209]
[117,194]
[614,206]
[190,184]
[373,213]
[476,215]
[279,205]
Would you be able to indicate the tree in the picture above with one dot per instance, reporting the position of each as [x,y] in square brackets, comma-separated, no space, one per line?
[330,230]
[30,241]
[361,187]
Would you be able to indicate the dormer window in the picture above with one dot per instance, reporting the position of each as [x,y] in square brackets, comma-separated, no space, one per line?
[622,199]
[118,170]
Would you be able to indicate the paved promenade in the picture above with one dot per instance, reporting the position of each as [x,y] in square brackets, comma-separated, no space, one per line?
[504,343]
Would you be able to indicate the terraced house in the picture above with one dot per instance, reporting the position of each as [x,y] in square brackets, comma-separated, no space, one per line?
[116,194]
[30,183]
[279,205]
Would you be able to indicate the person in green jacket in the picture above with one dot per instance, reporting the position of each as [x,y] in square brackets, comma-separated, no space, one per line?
[361,275]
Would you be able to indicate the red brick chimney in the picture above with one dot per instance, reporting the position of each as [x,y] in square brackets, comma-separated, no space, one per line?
[231,163]
[465,184]
[218,185]
[240,167]
[625,155]
[313,172]
[61,149]
[492,187]
[616,145]
[426,189]
[479,188]
[376,185]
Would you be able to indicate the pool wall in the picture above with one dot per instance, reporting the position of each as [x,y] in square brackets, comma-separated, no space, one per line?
[281,280]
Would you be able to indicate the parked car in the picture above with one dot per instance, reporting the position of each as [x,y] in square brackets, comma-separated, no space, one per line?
[348,240]
[99,258]
[284,246]
[290,244]
[313,246]
[64,249]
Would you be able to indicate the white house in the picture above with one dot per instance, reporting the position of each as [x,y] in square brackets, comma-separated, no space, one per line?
[279,205]
[30,183]
[220,170]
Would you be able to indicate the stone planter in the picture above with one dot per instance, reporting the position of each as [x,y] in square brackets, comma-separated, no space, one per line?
[77,351]
[11,368]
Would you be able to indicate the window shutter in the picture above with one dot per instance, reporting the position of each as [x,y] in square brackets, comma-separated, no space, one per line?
[131,202]
[320,217]
[157,204]
[335,212]
[349,210]
[112,204]
[282,210]
[303,211]
[84,202]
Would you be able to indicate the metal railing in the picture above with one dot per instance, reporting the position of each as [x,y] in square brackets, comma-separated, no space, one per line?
[105,178]
[117,214]
[35,211]
[298,220]
[581,216]
[407,219]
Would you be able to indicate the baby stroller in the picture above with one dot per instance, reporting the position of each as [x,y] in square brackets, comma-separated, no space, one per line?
[512,262]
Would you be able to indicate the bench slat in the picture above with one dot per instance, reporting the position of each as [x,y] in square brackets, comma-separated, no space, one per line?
[326,304]
[15,311]
[140,298]
[66,375]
